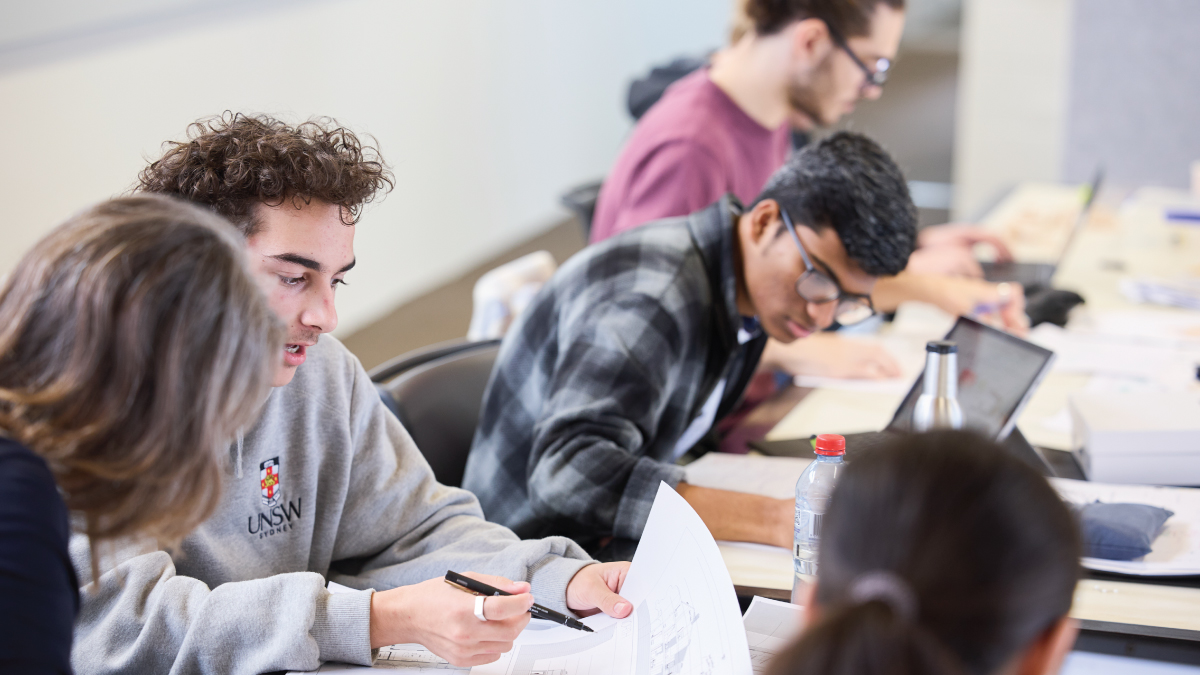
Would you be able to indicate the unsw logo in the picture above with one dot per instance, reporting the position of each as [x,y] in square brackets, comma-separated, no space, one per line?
[270,480]
[278,517]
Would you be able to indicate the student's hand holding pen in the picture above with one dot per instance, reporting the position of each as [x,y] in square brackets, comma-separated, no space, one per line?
[1002,305]
[1007,310]
[434,614]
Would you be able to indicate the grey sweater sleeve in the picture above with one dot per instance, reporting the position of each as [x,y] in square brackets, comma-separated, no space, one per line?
[142,618]
[395,526]
[401,526]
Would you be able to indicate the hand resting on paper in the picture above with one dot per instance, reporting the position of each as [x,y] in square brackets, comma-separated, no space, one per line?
[595,589]
[442,618]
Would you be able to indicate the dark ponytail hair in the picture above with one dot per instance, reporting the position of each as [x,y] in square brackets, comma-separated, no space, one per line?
[986,548]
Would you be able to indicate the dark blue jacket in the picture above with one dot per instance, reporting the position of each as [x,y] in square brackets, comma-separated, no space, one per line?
[39,594]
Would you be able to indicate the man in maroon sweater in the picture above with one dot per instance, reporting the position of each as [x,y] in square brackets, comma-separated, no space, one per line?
[725,129]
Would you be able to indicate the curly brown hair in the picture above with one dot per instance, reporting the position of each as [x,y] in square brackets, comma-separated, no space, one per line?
[231,162]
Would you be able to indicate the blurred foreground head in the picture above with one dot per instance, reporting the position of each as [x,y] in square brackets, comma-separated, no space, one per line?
[939,554]
[133,345]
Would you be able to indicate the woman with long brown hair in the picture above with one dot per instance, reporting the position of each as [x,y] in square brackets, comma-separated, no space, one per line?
[133,345]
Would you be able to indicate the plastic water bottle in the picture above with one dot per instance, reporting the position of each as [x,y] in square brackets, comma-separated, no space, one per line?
[813,492]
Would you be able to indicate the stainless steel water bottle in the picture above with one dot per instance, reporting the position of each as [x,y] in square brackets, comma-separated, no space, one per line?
[937,407]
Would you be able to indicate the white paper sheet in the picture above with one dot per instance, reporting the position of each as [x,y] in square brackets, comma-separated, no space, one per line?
[770,626]
[1176,552]
[1141,325]
[771,476]
[1103,355]
[836,411]
[909,352]
[398,659]
[686,617]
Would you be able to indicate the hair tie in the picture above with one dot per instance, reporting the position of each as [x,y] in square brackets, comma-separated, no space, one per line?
[888,588]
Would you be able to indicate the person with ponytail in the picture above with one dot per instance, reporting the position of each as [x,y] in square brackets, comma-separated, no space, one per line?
[134,342]
[940,554]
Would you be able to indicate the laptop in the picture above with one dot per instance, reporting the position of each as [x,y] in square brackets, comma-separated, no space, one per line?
[997,375]
[1035,276]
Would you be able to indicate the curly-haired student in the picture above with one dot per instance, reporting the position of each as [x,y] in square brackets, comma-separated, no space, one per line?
[325,484]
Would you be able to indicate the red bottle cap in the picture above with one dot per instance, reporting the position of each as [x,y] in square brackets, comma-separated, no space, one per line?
[831,445]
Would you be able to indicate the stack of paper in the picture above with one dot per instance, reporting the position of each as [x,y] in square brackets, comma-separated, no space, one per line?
[771,626]
[1183,293]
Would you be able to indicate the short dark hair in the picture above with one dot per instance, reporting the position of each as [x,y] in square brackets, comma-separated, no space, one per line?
[232,162]
[850,18]
[849,183]
[986,546]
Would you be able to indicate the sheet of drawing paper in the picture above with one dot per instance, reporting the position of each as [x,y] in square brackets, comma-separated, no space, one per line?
[686,617]
[771,626]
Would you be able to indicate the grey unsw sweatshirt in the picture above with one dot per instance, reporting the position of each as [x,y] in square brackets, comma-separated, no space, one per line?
[326,485]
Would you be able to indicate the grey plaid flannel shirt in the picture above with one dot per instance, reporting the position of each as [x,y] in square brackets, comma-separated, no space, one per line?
[601,375]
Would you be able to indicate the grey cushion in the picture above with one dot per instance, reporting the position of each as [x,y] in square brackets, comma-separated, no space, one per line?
[1120,531]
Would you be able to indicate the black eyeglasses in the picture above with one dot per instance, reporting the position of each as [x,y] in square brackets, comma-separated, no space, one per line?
[816,287]
[877,76]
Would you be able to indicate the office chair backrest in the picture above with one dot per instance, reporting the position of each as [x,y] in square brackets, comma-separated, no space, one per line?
[582,202]
[438,401]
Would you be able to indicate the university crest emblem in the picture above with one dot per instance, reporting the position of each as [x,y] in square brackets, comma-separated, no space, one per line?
[269,479]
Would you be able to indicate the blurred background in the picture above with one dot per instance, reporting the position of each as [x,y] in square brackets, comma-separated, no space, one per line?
[489,111]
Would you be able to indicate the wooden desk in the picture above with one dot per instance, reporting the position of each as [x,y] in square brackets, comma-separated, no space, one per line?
[1148,618]
[1100,603]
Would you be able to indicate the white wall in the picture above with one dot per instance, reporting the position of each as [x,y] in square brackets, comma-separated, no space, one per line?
[486,109]
[1012,97]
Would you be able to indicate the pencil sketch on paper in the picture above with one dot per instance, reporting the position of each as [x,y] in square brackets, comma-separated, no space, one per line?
[686,619]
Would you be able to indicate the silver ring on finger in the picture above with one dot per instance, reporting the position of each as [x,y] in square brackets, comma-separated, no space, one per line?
[479,607]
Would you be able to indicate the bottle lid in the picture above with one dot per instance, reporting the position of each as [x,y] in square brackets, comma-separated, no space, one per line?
[831,445]
[941,347]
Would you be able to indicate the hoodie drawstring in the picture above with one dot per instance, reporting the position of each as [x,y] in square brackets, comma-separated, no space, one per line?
[238,469]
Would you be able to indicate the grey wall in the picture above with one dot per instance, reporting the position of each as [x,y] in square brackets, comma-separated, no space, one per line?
[1134,96]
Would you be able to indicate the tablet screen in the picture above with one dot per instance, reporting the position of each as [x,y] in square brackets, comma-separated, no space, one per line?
[997,373]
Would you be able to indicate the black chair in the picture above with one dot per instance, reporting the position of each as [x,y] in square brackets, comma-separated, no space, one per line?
[581,201]
[436,392]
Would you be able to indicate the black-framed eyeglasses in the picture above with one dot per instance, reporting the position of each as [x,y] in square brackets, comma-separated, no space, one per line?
[816,287]
[878,75]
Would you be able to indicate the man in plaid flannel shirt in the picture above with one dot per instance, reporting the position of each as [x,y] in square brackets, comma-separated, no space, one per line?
[640,343]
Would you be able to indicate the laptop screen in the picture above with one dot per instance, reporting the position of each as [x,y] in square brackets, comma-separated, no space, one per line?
[997,373]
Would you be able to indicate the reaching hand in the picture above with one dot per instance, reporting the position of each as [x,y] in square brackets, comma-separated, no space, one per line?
[962,236]
[434,614]
[1001,305]
[594,589]
[832,355]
